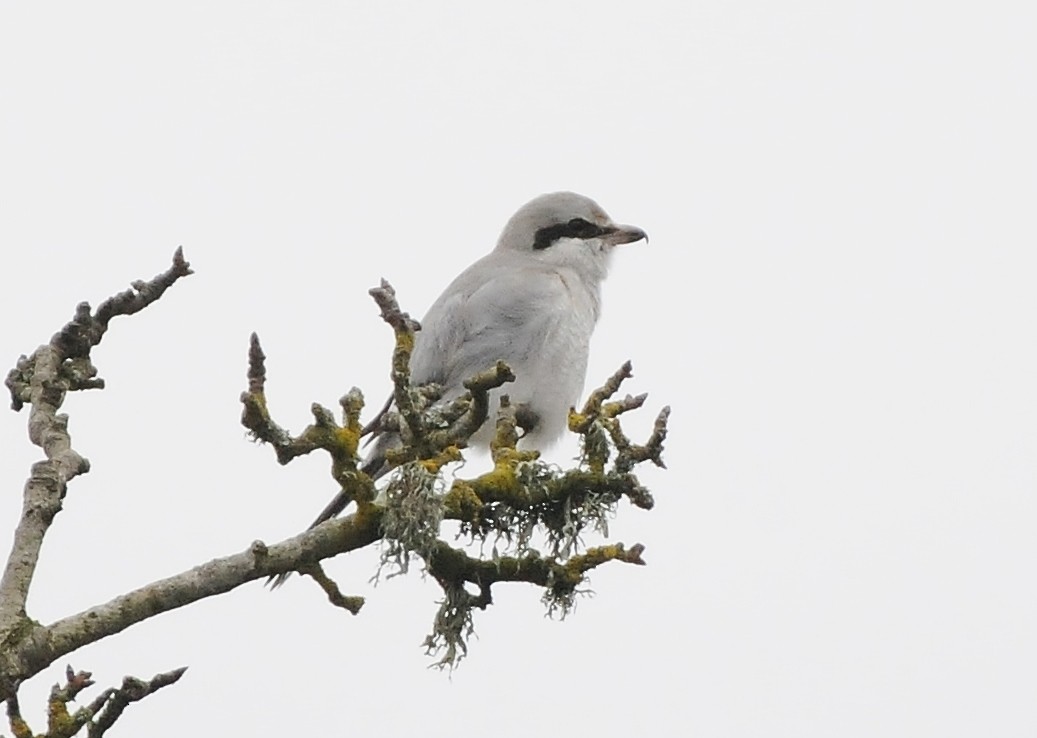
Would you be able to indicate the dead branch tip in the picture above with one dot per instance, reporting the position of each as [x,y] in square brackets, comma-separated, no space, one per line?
[181,265]
[256,365]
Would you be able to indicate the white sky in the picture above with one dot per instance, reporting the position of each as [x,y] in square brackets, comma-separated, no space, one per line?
[838,301]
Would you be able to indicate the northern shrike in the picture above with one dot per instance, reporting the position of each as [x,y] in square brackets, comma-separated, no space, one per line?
[532,302]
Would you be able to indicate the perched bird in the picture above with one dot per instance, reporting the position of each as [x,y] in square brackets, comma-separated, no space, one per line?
[532,302]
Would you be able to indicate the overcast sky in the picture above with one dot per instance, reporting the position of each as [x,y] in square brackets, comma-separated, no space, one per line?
[838,301]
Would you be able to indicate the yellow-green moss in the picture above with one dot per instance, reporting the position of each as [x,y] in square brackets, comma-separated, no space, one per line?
[444,457]
[20,728]
[59,722]
[405,340]
[577,565]
[500,482]
[577,421]
[367,514]
[348,439]
[461,502]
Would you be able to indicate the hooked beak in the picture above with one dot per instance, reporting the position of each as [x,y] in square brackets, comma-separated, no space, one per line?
[624,234]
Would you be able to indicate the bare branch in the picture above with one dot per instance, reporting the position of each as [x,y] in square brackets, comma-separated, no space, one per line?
[41,645]
[19,727]
[352,603]
[630,454]
[42,380]
[132,690]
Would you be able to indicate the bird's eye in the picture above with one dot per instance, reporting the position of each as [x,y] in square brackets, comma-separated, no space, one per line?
[580,228]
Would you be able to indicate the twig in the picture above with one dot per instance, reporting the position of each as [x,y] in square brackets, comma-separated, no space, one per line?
[132,690]
[352,603]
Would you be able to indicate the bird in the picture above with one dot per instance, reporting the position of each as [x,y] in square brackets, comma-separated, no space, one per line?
[532,302]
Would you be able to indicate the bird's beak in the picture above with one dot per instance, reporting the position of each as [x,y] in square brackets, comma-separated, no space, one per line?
[624,234]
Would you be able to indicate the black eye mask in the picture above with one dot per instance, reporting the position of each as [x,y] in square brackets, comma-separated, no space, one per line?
[575,228]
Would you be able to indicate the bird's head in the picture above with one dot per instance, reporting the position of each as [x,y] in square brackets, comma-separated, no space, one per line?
[567,230]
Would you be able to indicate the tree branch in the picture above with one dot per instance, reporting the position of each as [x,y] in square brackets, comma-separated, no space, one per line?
[42,645]
[520,496]
[132,690]
[42,380]
[107,707]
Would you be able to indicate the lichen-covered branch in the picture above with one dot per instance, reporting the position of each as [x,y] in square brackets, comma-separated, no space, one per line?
[451,564]
[453,569]
[521,495]
[429,430]
[339,441]
[519,498]
[404,327]
[432,433]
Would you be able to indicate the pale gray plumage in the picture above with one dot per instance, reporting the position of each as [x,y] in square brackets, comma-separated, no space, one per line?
[532,302]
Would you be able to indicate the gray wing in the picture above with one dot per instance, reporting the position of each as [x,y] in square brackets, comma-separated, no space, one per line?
[495,310]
